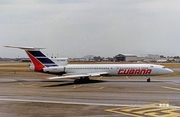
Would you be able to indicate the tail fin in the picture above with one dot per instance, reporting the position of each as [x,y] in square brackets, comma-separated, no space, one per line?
[38,59]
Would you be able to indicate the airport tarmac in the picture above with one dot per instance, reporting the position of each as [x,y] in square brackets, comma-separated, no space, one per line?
[27,95]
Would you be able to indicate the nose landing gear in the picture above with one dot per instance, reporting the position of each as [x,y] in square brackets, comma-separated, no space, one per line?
[148,79]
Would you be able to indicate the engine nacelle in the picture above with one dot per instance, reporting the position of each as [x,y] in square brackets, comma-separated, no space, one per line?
[60,61]
[58,69]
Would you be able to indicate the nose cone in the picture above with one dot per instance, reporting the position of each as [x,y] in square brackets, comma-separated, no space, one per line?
[169,71]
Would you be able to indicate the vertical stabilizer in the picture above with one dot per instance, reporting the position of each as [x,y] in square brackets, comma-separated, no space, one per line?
[38,59]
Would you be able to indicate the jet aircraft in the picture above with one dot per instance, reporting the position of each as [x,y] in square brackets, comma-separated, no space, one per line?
[82,72]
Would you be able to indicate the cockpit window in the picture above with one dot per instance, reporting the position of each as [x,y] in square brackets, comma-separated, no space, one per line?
[163,67]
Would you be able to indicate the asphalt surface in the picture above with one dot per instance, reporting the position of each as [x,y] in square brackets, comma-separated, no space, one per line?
[102,97]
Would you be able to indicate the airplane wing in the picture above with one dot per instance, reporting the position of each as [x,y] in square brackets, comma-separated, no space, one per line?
[74,76]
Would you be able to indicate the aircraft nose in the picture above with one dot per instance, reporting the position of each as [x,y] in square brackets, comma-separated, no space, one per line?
[169,71]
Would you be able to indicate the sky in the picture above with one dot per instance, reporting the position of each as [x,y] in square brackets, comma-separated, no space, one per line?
[75,28]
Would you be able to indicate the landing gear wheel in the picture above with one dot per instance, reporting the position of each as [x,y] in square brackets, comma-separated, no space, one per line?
[86,79]
[76,81]
[81,80]
[148,80]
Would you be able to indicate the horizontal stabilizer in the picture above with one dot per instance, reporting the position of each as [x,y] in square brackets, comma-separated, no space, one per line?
[24,48]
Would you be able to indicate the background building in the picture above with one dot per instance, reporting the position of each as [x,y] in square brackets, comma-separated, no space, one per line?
[119,58]
[131,58]
[149,57]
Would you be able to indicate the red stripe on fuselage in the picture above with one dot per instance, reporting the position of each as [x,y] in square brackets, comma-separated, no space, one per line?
[38,66]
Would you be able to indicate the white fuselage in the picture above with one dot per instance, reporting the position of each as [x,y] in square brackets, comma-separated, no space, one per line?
[60,66]
[119,69]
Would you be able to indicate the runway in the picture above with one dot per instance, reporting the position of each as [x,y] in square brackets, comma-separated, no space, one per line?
[102,97]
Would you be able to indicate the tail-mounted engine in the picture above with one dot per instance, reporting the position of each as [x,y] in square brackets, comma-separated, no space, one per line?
[58,69]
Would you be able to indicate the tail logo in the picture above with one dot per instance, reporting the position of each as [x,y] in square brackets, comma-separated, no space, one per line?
[39,60]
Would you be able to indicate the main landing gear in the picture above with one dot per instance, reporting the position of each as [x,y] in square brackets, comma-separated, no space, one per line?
[148,79]
[81,80]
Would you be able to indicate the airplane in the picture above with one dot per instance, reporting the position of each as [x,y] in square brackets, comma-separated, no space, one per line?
[81,73]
